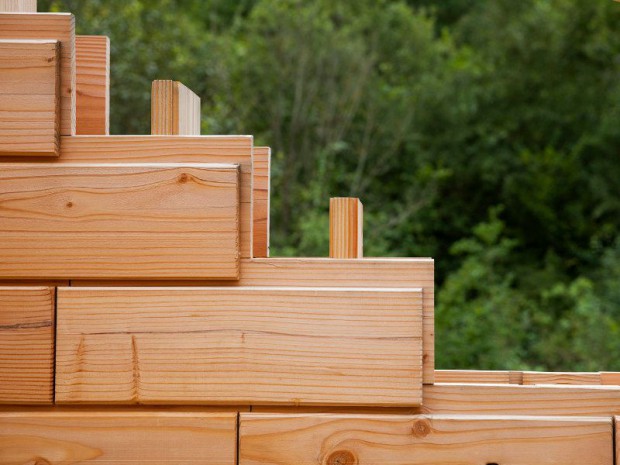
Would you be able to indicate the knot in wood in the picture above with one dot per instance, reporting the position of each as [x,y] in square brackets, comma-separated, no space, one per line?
[183,178]
[421,428]
[40,461]
[69,204]
[341,457]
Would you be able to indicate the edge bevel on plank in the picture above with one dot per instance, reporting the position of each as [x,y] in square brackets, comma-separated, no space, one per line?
[239,345]
[115,221]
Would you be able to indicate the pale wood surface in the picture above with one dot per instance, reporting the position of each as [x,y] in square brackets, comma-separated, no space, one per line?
[237,345]
[521,400]
[29,97]
[103,437]
[175,109]
[538,377]
[346,228]
[93,85]
[64,221]
[326,272]
[171,149]
[472,376]
[610,378]
[50,26]
[26,345]
[18,6]
[261,161]
[422,440]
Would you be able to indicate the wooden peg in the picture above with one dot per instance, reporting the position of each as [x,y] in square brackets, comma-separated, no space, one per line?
[346,228]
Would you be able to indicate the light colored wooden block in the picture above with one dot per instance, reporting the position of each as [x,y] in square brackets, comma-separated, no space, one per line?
[106,437]
[261,161]
[50,26]
[487,399]
[422,440]
[172,149]
[539,377]
[610,378]
[29,97]
[26,345]
[92,55]
[472,376]
[114,221]
[326,272]
[346,228]
[18,6]
[236,345]
[175,110]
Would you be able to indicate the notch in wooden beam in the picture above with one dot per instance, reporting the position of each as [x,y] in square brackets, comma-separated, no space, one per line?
[92,55]
[18,6]
[346,228]
[175,110]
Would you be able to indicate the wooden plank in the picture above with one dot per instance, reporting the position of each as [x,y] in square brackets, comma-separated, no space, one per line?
[295,346]
[487,399]
[105,437]
[114,221]
[175,109]
[92,85]
[26,345]
[18,6]
[539,377]
[617,442]
[261,161]
[171,149]
[422,440]
[610,378]
[472,376]
[346,228]
[50,26]
[29,97]
[326,272]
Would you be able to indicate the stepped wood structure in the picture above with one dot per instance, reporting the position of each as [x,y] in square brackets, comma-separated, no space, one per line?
[142,320]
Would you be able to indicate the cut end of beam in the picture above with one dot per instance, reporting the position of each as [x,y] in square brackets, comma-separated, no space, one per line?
[175,110]
[346,228]
[18,6]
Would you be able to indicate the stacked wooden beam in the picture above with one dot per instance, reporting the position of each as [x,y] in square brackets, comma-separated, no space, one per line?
[142,320]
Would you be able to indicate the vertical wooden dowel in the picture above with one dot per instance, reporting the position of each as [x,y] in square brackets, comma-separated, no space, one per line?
[346,228]
[18,6]
[175,110]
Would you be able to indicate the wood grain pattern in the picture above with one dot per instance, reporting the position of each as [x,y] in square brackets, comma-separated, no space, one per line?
[157,221]
[317,346]
[104,437]
[50,26]
[483,399]
[326,272]
[175,109]
[539,377]
[172,149]
[26,345]
[261,161]
[29,97]
[18,6]
[472,376]
[92,56]
[346,228]
[422,440]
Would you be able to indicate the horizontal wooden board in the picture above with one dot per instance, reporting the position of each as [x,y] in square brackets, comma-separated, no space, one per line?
[26,345]
[483,399]
[326,272]
[472,376]
[50,26]
[610,378]
[538,377]
[317,346]
[105,437]
[107,221]
[261,162]
[422,440]
[29,97]
[92,56]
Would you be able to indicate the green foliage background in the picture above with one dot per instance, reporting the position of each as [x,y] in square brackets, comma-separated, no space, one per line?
[484,133]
